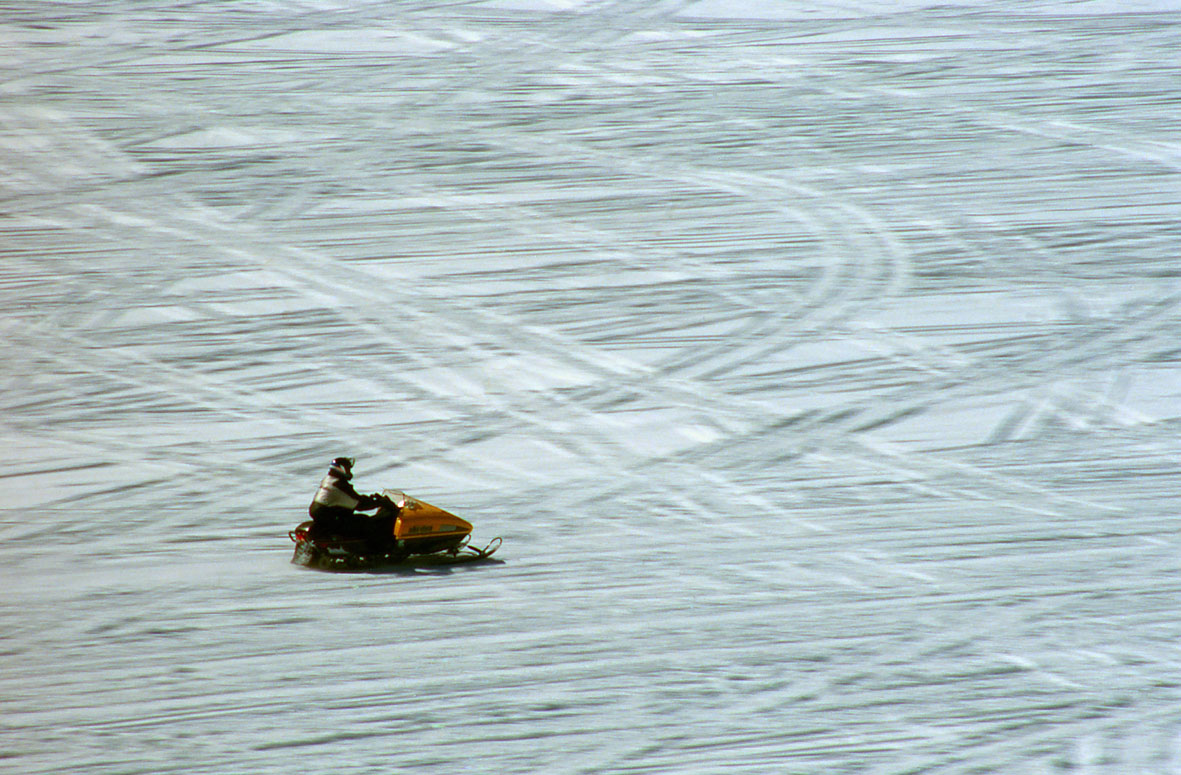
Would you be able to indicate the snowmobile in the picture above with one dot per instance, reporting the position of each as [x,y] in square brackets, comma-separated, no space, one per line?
[420,534]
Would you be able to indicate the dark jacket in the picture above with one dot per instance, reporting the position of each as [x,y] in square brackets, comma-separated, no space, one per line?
[336,496]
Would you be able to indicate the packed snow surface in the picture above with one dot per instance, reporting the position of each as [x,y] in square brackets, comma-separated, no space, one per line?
[818,363]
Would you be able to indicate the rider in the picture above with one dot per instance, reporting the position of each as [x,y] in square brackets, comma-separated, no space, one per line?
[333,509]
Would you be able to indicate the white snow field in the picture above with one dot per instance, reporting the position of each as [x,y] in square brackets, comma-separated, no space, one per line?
[819,364]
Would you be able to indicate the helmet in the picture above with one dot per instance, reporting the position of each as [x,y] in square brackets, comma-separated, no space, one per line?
[343,465]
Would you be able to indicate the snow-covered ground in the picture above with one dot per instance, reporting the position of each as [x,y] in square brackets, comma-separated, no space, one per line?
[818,363]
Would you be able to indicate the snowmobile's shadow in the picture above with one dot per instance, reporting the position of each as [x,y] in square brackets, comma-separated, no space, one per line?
[413,566]
[421,566]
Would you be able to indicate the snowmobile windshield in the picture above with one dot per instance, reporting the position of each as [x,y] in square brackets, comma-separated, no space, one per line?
[399,498]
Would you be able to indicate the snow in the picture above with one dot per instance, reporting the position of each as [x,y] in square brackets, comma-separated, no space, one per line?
[816,362]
